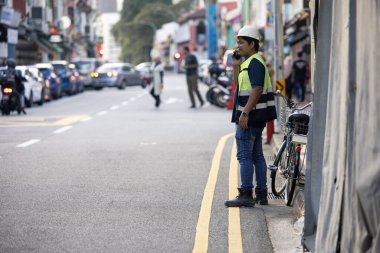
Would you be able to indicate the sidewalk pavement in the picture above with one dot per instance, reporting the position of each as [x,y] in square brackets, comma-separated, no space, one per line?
[285,223]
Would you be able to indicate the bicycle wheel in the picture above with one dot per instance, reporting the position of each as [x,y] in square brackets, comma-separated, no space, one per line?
[279,175]
[293,176]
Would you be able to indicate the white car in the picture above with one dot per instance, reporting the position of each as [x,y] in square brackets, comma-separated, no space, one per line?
[33,88]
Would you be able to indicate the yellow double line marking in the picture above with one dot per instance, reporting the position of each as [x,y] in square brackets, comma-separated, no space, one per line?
[235,243]
[234,229]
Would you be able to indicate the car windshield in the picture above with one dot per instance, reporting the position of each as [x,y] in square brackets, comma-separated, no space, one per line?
[60,68]
[144,65]
[106,68]
[45,71]
[85,67]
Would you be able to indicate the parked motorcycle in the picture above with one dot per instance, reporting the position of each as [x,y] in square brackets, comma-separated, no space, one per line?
[219,91]
[9,99]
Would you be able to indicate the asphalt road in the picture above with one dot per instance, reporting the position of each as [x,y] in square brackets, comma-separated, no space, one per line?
[105,171]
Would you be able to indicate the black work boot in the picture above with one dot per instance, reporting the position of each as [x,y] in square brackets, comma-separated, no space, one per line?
[243,199]
[261,196]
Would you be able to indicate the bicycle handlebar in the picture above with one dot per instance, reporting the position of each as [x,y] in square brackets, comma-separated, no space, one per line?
[304,107]
[290,103]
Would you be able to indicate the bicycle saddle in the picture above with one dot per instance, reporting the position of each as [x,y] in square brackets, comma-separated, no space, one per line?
[299,118]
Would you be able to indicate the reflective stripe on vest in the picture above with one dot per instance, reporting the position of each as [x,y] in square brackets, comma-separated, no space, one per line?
[265,108]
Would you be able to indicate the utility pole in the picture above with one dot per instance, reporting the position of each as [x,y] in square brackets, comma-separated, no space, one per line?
[279,39]
[278,54]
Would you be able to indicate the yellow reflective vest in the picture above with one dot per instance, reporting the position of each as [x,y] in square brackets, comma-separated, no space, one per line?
[265,109]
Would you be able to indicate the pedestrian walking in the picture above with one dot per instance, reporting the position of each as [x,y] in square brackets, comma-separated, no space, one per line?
[253,107]
[191,66]
[288,76]
[157,80]
[299,76]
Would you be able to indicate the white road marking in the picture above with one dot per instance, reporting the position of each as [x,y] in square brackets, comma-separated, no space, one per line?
[171,100]
[207,104]
[140,95]
[28,143]
[86,119]
[115,107]
[62,129]
[148,143]
[132,99]
[102,113]
[124,103]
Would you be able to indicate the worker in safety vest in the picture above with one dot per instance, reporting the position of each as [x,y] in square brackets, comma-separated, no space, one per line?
[254,106]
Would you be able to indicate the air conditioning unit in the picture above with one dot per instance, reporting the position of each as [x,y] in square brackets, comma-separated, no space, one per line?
[3,2]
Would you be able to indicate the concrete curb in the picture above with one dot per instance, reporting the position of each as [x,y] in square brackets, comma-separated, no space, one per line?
[298,208]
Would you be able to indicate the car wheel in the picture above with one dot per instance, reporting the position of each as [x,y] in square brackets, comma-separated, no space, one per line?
[60,93]
[29,102]
[123,85]
[41,102]
[6,110]
[144,84]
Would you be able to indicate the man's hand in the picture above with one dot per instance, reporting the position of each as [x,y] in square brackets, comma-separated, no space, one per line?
[243,121]
[235,62]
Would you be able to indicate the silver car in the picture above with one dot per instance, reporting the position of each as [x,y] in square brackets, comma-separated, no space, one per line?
[117,75]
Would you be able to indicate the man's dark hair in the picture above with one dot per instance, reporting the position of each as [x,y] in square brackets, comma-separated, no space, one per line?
[250,40]
[187,49]
[299,54]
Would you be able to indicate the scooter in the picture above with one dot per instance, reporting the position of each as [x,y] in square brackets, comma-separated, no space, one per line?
[9,99]
[219,93]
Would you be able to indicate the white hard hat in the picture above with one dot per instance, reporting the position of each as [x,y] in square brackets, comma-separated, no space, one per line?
[249,31]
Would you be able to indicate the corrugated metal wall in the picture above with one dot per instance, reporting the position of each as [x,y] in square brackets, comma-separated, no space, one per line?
[345,138]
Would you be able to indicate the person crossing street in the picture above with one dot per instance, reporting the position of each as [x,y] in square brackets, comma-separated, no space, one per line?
[253,107]
[191,66]
[157,81]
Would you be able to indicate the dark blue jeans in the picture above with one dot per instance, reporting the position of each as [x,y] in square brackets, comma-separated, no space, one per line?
[300,90]
[249,154]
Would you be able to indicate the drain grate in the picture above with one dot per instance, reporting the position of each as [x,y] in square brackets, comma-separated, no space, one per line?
[272,196]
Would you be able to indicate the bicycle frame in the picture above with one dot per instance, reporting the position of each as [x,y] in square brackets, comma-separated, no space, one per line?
[287,165]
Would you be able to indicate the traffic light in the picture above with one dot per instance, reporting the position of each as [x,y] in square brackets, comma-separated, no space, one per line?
[99,50]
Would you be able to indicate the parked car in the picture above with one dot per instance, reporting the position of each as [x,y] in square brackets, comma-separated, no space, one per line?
[63,71]
[37,74]
[145,68]
[85,68]
[75,77]
[117,75]
[50,76]
[33,88]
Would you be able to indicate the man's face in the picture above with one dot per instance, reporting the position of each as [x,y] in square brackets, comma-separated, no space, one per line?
[243,47]
[185,52]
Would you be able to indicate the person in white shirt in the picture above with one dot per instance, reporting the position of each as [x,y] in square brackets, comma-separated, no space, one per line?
[157,80]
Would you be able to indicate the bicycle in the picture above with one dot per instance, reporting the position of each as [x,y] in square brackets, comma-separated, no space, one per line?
[287,165]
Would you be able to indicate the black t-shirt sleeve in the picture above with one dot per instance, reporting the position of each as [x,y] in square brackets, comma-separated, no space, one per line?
[256,73]
[194,60]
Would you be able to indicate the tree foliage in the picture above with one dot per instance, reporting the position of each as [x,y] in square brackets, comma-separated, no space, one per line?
[138,21]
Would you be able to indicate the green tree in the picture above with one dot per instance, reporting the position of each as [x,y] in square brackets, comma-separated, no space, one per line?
[135,30]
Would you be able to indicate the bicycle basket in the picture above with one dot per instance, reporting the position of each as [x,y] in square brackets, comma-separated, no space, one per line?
[284,114]
[298,120]
[301,128]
